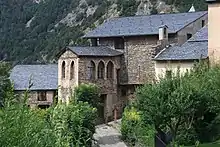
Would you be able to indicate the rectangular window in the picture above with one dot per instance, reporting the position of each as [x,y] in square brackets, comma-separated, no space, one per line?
[42,96]
[203,23]
[119,43]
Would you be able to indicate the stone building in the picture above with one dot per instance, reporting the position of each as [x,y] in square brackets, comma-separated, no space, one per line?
[40,80]
[121,56]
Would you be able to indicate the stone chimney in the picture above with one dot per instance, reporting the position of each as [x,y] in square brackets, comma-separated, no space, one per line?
[163,36]
[213,31]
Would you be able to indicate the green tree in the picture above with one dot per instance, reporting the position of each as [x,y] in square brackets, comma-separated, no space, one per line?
[182,102]
[6,89]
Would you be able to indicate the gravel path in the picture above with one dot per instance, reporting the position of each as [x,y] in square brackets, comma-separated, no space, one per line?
[108,136]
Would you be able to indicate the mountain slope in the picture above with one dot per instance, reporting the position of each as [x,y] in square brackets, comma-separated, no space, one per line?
[33,31]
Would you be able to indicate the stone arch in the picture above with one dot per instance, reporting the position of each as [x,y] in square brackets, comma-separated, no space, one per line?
[101,70]
[63,68]
[72,70]
[110,70]
[91,70]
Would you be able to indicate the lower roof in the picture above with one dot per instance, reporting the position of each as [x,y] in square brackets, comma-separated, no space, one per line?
[101,51]
[42,77]
[192,50]
[195,48]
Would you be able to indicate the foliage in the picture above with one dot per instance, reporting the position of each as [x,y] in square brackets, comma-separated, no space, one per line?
[43,39]
[6,89]
[88,93]
[59,126]
[134,130]
[183,105]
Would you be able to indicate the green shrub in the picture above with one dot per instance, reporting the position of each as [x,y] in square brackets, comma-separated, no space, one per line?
[134,130]
[87,93]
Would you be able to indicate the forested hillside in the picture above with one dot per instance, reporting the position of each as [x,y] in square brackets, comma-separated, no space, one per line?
[33,31]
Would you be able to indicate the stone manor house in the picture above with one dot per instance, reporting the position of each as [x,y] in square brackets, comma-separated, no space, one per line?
[125,52]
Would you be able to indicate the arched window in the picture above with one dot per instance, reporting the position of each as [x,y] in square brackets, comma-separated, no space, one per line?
[72,70]
[63,70]
[110,70]
[91,70]
[101,70]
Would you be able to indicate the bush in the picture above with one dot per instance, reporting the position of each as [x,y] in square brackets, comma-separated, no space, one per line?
[87,93]
[183,105]
[59,126]
[134,130]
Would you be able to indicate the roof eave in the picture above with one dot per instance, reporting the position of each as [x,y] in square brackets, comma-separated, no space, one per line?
[166,59]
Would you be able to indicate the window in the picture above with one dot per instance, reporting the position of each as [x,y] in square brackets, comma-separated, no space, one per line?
[189,36]
[123,92]
[91,70]
[203,23]
[94,42]
[164,32]
[72,70]
[63,70]
[119,43]
[42,96]
[101,70]
[110,70]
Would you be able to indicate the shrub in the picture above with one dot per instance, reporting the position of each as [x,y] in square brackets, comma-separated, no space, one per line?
[134,130]
[87,93]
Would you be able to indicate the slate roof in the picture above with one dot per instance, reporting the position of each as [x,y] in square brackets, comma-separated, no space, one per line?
[95,51]
[43,77]
[195,48]
[201,35]
[144,25]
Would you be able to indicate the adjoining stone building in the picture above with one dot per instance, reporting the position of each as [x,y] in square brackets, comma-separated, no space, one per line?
[121,55]
[40,80]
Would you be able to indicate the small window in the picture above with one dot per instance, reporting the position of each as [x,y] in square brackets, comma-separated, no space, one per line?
[42,96]
[101,70]
[63,69]
[94,42]
[123,92]
[165,32]
[203,23]
[119,43]
[72,71]
[189,36]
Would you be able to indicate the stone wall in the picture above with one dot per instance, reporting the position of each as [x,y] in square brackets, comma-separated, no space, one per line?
[33,98]
[67,84]
[107,86]
[191,29]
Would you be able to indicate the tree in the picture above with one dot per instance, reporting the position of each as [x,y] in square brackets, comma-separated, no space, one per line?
[5,84]
[181,101]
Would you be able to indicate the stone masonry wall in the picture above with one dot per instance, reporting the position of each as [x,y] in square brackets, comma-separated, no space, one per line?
[67,84]
[107,86]
[33,98]
[191,29]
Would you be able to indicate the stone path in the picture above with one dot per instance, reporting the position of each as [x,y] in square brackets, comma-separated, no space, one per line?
[108,136]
